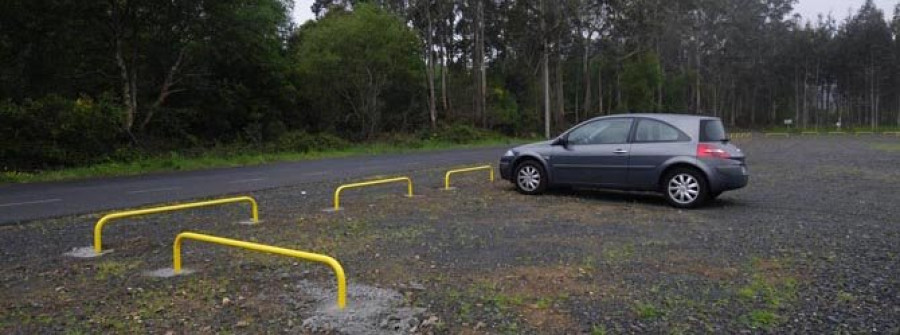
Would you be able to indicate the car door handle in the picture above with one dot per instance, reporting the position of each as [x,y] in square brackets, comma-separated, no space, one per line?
[620,151]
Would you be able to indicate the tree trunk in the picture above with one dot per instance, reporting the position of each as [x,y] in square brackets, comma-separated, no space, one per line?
[586,75]
[600,87]
[127,72]
[166,89]
[545,74]
[429,70]
[483,69]
[560,97]
[478,64]
[545,70]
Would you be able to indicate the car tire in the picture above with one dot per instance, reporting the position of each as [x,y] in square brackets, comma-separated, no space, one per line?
[530,178]
[685,188]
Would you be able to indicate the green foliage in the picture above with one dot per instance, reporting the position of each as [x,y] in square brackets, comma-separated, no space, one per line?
[353,66]
[647,310]
[640,79]
[460,133]
[53,131]
[298,141]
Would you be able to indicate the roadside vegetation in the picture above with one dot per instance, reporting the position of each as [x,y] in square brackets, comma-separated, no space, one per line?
[291,147]
[118,87]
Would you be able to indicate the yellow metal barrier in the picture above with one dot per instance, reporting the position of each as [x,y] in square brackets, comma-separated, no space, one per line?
[810,133]
[337,192]
[864,133]
[740,135]
[836,133]
[777,134]
[338,270]
[477,168]
[98,228]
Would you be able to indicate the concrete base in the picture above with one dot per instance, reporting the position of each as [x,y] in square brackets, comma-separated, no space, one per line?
[168,273]
[86,252]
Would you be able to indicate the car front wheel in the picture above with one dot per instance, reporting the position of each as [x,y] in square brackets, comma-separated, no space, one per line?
[685,188]
[531,178]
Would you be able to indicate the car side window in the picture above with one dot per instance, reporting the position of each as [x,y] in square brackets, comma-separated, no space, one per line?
[655,131]
[612,131]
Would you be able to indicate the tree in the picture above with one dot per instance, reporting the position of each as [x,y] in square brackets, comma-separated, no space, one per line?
[359,56]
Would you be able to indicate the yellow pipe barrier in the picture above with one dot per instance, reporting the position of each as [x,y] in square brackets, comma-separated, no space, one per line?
[338,270]
[98,228]
[477,168]
[777,134]
[337,192]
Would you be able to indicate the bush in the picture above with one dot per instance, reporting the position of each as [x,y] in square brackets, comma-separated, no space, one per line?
[54,131]
[299,141]
[404,140]
[461,134]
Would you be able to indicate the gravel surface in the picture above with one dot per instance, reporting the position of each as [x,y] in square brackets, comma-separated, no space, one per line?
[812,245]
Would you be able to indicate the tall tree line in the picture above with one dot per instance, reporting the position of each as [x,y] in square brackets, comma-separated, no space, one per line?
[748,61]
[86,78]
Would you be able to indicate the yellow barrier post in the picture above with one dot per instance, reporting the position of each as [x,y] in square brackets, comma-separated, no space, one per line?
[477,168]
[338,270]
[98,228]
[337,192]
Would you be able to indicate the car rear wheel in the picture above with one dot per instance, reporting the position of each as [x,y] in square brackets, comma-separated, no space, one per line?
[531,178]
[685,188]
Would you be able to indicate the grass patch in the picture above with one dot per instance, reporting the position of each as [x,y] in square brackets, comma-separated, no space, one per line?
[763,318]
[235,158]
[770,290]
[826,129]
[889,147]
[647,311]
[618,253]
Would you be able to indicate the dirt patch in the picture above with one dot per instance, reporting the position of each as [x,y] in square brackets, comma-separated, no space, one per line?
[369,310]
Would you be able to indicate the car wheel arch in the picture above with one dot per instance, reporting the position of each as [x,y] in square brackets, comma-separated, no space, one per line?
[532,157]
[679,165]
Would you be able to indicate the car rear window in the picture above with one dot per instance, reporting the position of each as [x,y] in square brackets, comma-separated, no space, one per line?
[712,131]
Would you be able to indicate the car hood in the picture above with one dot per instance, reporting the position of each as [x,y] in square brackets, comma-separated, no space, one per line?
[533,146]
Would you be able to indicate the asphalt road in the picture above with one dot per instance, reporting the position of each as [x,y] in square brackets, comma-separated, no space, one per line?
[24,202]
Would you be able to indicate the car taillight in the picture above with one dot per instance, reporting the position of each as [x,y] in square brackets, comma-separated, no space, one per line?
[705,150]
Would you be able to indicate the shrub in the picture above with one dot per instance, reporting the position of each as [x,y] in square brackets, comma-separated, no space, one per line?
[299,141]
[461,134]
[55,131]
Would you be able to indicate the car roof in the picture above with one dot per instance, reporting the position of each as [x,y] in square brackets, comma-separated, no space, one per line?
[663,116]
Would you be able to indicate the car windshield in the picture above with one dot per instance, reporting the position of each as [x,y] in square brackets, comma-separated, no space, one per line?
[712,131]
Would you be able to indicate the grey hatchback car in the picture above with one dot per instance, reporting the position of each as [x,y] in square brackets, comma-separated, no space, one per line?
[687,158]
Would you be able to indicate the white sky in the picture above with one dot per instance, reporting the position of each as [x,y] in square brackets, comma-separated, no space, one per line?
[840,9]
[809,9]
[302,11]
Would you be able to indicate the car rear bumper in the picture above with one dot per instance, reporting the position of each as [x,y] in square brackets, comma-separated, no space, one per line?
[729,177]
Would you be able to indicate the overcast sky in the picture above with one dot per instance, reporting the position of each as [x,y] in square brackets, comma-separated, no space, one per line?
[810,9]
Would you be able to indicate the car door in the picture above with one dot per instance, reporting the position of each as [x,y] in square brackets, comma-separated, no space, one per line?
[596,153]
[654,143]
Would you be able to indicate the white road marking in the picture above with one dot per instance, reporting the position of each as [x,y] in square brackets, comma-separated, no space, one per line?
[245,180]
[162,189]
[36,202]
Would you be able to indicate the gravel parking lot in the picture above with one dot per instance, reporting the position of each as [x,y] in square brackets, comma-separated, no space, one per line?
[812,245]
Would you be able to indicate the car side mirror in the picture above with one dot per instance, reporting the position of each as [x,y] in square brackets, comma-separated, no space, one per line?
[561,141]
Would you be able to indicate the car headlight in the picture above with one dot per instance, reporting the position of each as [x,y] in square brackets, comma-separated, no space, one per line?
[509,153]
